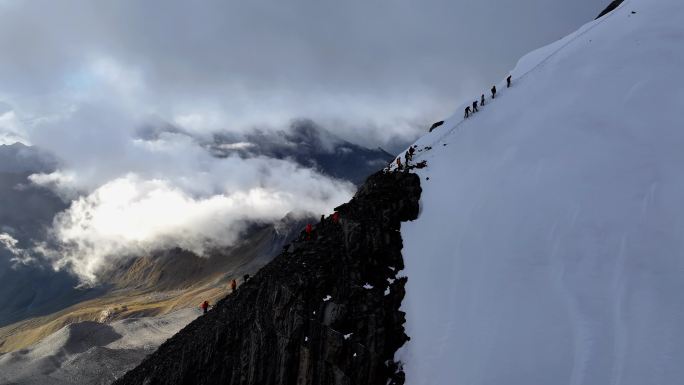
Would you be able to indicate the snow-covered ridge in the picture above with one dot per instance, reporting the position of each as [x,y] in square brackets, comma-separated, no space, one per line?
[549,248]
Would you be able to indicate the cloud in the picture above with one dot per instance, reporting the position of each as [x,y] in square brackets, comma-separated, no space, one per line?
[10,128]
[371,70]
[133,216]
[127,95]
[131,194]
[19,255]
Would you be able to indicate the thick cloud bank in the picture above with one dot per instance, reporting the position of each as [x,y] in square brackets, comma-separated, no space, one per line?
[374,69]
[130,195]
[131,216]
[130,96]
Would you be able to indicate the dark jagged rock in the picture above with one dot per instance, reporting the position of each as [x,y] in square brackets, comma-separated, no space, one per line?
[610,8]
[435,125]
[325,311]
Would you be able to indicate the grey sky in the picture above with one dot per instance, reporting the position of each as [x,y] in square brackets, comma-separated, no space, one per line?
[80,78]
[368,69]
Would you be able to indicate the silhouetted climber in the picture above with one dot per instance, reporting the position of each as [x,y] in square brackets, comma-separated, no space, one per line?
[508,81]
[467,112]
[482,100]
[245,278]
[412,150]
[475,106]
[399,164]
[407,158]
[322,220]
[493,92]
[233,286]
[205,306]
[309,230]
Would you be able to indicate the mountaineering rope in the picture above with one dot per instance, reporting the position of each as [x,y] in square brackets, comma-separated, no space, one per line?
[538,65]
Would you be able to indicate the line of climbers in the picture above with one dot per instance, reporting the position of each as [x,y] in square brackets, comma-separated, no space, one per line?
[233,286]
[334,218]
[310,230]
[408,158]
[473,108]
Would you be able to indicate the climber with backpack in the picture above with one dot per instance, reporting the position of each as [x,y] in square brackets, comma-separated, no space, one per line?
[467,112]
[482,100]
[308,230]
[475,106]
[493,92]
[205,306]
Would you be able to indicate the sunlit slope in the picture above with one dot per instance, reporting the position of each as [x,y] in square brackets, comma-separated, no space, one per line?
[159,284]
[550,245]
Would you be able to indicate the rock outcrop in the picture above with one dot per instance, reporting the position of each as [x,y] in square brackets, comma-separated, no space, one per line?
[610,8]
[324,311]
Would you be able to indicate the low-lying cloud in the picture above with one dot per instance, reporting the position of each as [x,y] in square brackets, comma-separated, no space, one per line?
[128,95]
[137,183]
[133,216]
[130,196]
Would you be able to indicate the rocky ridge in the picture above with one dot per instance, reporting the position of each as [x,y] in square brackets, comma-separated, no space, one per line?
[324,311]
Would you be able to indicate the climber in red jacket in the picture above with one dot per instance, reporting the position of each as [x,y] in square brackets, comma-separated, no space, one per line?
[205,306]
[308,230]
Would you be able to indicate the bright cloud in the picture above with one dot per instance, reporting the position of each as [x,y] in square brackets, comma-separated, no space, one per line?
[131,215]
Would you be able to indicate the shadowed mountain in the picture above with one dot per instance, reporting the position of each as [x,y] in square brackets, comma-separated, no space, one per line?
[26,211]
[309,145]
[159,283]
[165,280]
[324,311]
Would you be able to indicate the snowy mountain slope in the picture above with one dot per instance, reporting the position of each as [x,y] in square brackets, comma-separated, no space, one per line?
[550,245]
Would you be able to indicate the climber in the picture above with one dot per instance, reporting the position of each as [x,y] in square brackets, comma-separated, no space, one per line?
[467,112]
[508,81]
[475,106]
[245,278]
[309,230]
[336,217]
[412,150]
[233,286]
[406,159]
[493,92]
[399,164]
[205,306]
[482,100]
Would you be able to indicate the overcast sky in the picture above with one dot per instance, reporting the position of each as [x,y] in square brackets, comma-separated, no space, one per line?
[361,65]
[80,77]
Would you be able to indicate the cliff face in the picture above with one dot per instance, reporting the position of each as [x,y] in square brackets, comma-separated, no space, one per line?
[610,8]
[325,311]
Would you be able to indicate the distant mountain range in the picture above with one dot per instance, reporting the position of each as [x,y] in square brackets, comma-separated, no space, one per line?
[310,146]
[27,210]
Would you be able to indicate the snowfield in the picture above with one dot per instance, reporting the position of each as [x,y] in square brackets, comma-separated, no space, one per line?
[550,244]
